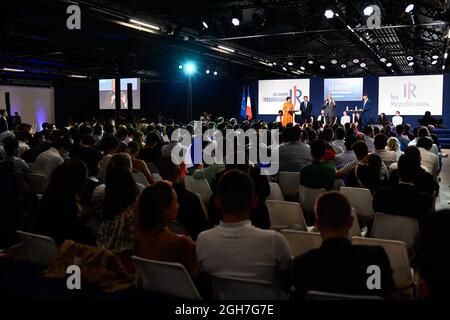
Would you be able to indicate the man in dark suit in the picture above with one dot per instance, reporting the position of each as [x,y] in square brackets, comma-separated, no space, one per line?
[338,266]
[404,199]
[306,110]
[366,113]
[329,105]
[3,121]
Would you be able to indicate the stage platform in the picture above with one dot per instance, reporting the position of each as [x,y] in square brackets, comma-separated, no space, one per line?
[444,137]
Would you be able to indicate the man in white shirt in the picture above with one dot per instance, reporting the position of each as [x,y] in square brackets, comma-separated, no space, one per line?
[380,143]
[345,118]
[280,116]
[237,249]
[348,155]
[397,119]
[427,158]
[52,158]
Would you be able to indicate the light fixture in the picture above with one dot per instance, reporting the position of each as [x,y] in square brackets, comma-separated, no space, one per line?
[355,60]
[226,49]
[329,14]
[368,10]
[215,73]
[343,66]
[383,59]
[362,65]
[77,76]
[274,63]
[409,58]
[333,61]
[411,63]
[190,68]
[322,67]
[443,67]
[303,68]
[446,55]
[180,67]
[310,61]
[145,24]
[284,68]
[205,25]
[409,8]
[207,71]
[435,56]
[290,63]
[13,70]
[235,22]
[388,64]
[434,62]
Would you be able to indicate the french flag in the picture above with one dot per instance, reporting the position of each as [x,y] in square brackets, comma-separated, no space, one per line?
[248,109]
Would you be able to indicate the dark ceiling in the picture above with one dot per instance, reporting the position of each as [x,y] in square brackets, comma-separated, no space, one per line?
[34,37]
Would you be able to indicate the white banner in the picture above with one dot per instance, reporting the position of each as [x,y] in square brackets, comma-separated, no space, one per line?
[273,93]
[411,95]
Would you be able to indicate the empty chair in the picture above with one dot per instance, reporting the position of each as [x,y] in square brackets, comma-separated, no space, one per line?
[275,192]
[200,186]
[398,257]
[361,199]
[289,184]
[308,197]
[400,228]
[39,249]
[139,177]
[165,277]
[285,215]
[320,295]
[37,183]
[227,288]
[301,242]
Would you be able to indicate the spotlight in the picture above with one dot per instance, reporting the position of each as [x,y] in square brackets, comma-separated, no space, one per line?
[12,70]
[290,63]
[383,59]
[284,68]
[180,67]
[434,62]
[190,68]
[322,67]
[435,56]
[388,64]
[409,58]
[303,68]
[329,14]
[205,25]
[409,8]
[445,55]
[310,61]
[411,63]
[235,22]
[226,49]
[343,66]
[355,60]
[368,11]
[215,73]
[362,65]
[333,61]
[145,24]
[443,67]
[274,63]
[207,71]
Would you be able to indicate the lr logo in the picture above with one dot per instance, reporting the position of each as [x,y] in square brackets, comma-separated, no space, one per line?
[74,280]
[74,20]
[374,280]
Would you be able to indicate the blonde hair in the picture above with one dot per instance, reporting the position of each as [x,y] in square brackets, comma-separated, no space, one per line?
[393,144]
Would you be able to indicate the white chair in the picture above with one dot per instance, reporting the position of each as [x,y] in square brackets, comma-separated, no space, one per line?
[355,230]
[400,228]
[139,177]
[398,257]
[39,249]
[275,192]
[165,277]
[361,199]
[228,288]
[37,183]
[200,186]
[301,242]
[320,295]
[308,197]
[285,215]
[289,184]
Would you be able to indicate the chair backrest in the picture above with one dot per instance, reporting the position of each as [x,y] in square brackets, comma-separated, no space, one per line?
[37,183]
[301,242]
[320,295]
[355,230]
[289,184]
[202,203]
[308,197]
[275,192]
[361,199]
[398,258]
[139,177]
[200,186]
[227,288]
[165,277]
[39,249]
[400,228]
[285,215]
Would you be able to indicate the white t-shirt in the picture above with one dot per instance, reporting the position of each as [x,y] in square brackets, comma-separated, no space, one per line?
[345,119]
[47,161]
[397,120]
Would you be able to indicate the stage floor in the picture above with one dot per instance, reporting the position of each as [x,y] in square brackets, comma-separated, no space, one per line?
[444,193]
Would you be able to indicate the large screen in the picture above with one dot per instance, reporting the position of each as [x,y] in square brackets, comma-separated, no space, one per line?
[107,95]
[273,93]
[343,89]
[411,95]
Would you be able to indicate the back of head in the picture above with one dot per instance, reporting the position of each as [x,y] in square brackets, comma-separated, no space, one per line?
[235,192]
[425,143]
[120,191]
[333,212]
[360,149]
[407,168]
[349,142]
[109,144]
[318,148]
[122,160]
[423,132]
[413,152]
[399,129]
[133,148]
[340,133]
[62,143]
[167,169]
[328,134]
[380,141]
[11,146]
[393,144]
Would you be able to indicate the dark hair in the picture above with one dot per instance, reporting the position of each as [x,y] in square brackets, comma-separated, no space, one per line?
[291,134]
[333,210]
[280,111]
[98,129]
[109,143]
[360,149]
[412,151]
[380,141]
[167,169]
[423,132]
[328,134]
[399,129]
[340,133]
[87,140]
[120,192]
[288,98]
[153,138]
[62,142]
[407,168]
[154,200]
[133,147]
[11,146]
[122,132]
[235,191]
[425,142]
[318,148]
[122,160]
[349,141]
[369,173]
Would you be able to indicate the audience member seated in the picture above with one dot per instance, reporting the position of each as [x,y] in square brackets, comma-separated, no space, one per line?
[116,229]
[294,154]
[151,152]
[153,239]
[138,165]
[339,141]
[394,145]
[328,135]
[369,133]
[380,143]
[59,208]
[238,249]
[423,132]
[348,155]
[37,146]
[109,145]
[404,199]
[52,158]
[11,146]
[401,137]
[338,266]
[428,159]
[208,172]
[319,174]
[367,174]
[190,213]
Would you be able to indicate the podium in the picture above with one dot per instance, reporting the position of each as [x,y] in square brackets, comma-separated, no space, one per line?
[353,112]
